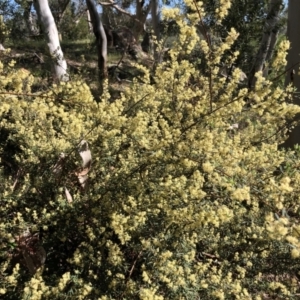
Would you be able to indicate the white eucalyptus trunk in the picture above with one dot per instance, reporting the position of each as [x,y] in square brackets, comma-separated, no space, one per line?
[270,25]
[50,30]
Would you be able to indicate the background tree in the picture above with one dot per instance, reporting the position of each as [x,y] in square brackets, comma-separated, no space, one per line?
[268,40]
[74,24]
[31,24]
[139,16]
[155,18]
[101,39]
[58,9]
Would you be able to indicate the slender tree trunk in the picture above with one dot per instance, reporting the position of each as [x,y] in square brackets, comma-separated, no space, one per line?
[142,11]
[270,26]
[62,12]
[89,21]
[293,60]
[50,30]
[274,37]
[100,39]
[155,14]
[28,19]
[139,28]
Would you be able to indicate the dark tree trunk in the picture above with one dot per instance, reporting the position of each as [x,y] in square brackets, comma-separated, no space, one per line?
[293,62]
[146,42]
[155,14]
[101,39]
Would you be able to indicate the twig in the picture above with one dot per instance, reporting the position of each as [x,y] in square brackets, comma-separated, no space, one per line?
[210,113]
[27,94]
[17,179]
[40,58]
[210,90]
[272,135]
[122,57]
[132,106]
[203,26]
[286,70]
[209,255]
[130,273]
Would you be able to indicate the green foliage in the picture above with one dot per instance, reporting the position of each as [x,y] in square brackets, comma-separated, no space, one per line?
[188,195]
[16,26]
[4,32]
[73,27]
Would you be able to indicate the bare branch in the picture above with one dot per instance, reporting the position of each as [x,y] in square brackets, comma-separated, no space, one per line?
[121,10]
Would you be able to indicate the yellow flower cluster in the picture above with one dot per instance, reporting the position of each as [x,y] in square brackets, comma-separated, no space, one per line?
[222,10]
[280,58]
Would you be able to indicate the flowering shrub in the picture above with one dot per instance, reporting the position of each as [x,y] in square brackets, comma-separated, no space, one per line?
[187,194]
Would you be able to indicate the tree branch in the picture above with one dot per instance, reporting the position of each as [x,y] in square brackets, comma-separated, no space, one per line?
[121,10]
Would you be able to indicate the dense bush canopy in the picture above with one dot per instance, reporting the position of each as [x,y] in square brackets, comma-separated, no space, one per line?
[187,196]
